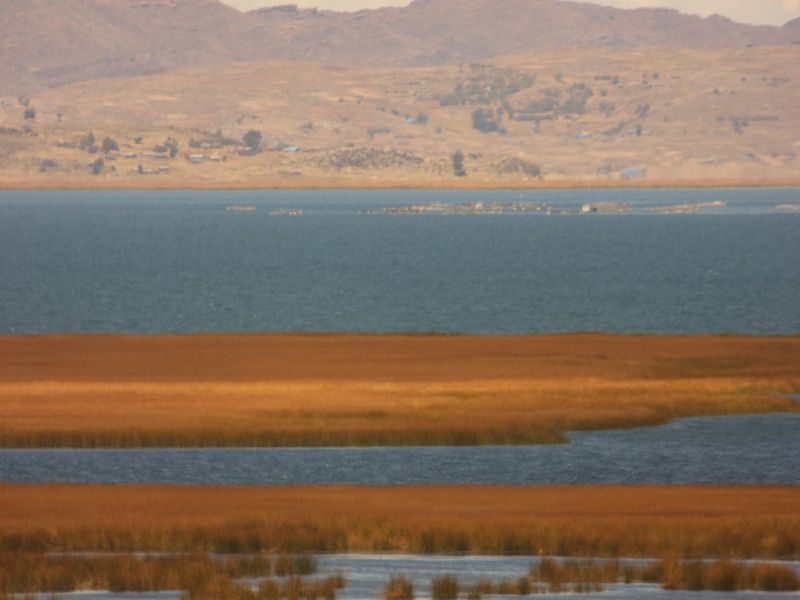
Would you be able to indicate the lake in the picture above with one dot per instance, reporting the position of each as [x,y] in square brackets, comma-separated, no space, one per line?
[748,449]
[151,262]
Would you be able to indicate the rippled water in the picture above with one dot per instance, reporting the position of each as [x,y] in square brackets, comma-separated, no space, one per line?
[118,261]
[755,449]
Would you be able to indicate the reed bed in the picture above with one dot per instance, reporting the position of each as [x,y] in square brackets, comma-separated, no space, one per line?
[26,572]
[398,587]
[445,587]
[728,576]
[688,522]
[272,390]
[552,576]
[294,588]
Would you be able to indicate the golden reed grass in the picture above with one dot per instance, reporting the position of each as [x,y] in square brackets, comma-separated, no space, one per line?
[589,576]
[198,574]
[343,390]
[687,522]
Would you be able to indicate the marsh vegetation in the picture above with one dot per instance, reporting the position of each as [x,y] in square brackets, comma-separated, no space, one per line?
[550,576]
[688,522]
[271,390]
[200,575]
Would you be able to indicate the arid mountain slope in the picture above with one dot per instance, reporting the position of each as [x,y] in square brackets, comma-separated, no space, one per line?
[45,43]
[590,115]
[432,32]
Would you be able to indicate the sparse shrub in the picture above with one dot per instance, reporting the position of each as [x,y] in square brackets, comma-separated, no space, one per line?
[48,164]
[399,588]
[444,587]
[487,84]
[575,103]
[422,119]
[607,108]
[168,146]
[30,114]
[110,145]
[485,121]
[213,140]
[543,105]
[98,166]
[87,142]
[370,158]
[373,131]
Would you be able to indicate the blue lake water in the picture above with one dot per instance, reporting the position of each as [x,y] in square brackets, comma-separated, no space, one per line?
[751,449]
[116,261]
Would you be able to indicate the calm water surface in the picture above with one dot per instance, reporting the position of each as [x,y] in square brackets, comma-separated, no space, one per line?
[180,262]
[753,449]
[156,262]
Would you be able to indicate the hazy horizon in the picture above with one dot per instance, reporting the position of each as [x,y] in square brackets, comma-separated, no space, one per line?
[772,12]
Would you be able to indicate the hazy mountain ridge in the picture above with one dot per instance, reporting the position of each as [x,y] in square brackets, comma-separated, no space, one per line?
[51,42]
[442,31]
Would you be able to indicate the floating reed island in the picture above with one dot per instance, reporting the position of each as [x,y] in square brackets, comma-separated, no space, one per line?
[735,522]
[359,390]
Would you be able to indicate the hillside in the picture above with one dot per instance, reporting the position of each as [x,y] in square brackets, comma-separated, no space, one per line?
[434,32]
[597,116]
[45,43]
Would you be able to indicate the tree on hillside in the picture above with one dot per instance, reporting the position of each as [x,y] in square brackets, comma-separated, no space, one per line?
[169,146]
[485,121]
[110,145]
[30,114]
[458,164]
[252,139]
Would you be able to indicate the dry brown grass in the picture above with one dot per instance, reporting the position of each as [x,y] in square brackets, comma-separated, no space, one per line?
[200,575]
[584,576]
[725,522]
[688,134]
[36,182]
[288,390]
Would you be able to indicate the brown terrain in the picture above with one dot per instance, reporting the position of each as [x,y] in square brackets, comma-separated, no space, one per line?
[533,93]
[602,117]
[338,390]
[676,521]
[50,42]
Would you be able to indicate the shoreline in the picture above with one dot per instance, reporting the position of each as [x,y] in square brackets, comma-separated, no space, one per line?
[336,184]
